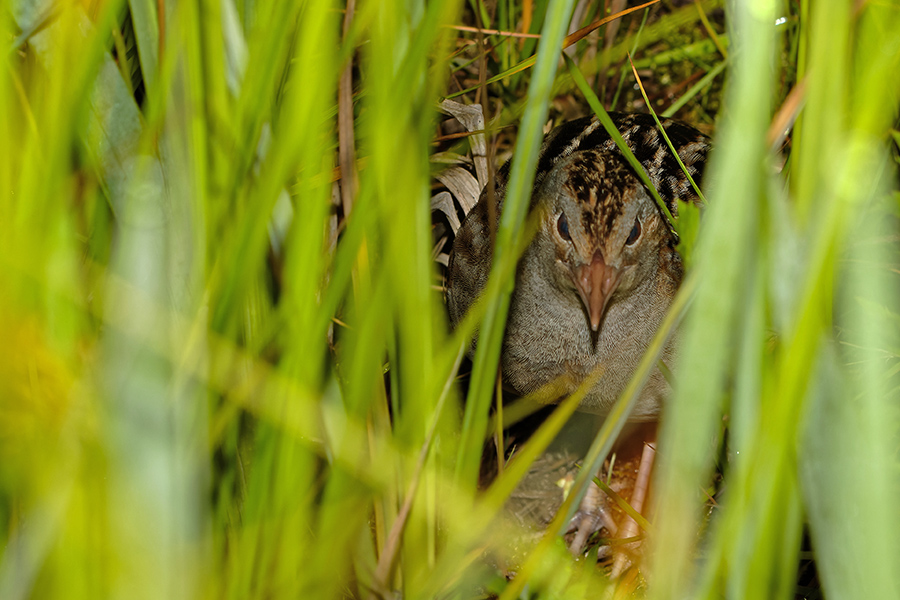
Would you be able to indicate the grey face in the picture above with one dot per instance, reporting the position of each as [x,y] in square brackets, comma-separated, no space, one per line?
[600,219]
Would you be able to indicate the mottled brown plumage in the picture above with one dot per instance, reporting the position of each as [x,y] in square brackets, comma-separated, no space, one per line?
[594,284]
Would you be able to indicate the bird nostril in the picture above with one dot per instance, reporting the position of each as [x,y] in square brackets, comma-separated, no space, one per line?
[610,282]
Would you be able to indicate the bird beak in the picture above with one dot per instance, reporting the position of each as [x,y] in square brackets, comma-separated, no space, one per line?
[595,283]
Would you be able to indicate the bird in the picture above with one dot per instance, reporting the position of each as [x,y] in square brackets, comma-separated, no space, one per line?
[595,282]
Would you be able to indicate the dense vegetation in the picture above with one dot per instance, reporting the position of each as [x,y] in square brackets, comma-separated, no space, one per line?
[225,368]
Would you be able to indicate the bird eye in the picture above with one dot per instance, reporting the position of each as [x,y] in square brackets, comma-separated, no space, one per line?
[635,233]
[562,226]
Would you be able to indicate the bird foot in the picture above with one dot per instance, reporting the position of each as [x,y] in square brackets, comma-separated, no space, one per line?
[592,516]
[595,514]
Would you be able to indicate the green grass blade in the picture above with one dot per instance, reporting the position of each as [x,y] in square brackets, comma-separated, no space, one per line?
[514,209]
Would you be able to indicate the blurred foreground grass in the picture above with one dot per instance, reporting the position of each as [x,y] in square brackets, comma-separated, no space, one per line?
[223,375]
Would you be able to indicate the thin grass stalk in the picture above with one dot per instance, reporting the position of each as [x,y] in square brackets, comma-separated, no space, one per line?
[724,255]
[401,101]
[515,206]
[852,418]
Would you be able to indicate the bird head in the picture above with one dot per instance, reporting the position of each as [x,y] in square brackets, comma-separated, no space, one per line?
[605,228]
